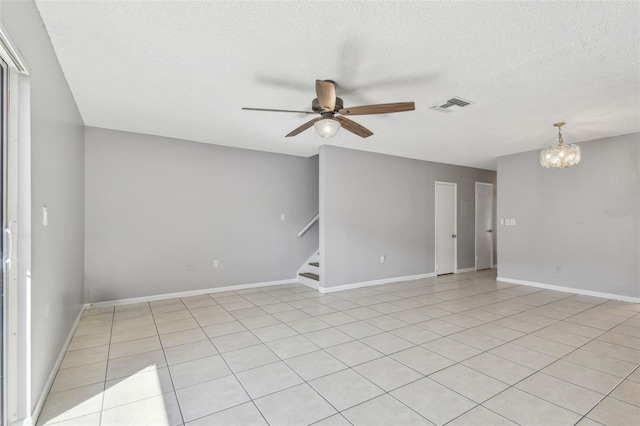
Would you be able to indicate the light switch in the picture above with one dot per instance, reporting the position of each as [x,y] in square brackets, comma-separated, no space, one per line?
[502,221]
[45,216]
[513,222]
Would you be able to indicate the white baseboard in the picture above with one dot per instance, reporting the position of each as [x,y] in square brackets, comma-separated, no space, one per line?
[571,290]
[47,387]
[165,296]
[375,282]
[463,270]
[308,282]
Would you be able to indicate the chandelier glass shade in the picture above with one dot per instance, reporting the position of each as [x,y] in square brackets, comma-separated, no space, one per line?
[560,156]
[327,127]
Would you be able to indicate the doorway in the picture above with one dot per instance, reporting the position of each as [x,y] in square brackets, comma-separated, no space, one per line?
[484,226]
[446,250]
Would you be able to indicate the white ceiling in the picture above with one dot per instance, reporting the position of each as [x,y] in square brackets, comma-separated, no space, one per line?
[185,70]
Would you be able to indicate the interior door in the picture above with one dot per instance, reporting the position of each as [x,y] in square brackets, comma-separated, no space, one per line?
[3,146]
[484,226]
[446,228]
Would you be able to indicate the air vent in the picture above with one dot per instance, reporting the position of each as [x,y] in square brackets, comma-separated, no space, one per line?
[450,105]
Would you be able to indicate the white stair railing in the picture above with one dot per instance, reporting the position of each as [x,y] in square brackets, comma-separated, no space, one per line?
[308,225]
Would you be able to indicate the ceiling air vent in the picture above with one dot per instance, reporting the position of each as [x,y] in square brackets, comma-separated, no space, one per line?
[450,105]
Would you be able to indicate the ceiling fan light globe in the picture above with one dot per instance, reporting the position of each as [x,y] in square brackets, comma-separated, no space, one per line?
[327,128]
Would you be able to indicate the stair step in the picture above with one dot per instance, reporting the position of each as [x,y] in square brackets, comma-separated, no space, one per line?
[310,275]
[315,264]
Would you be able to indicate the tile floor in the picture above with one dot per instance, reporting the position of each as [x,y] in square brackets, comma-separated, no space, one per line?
[455,350]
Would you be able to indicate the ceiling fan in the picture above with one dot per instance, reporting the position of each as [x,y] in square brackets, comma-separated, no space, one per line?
[332,112]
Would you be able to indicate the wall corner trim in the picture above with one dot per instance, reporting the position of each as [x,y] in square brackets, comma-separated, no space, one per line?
[45,392]
[352,286]
[572,290]
[189,293]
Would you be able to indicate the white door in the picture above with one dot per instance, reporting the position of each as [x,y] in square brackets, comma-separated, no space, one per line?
[446,228]
[484,225]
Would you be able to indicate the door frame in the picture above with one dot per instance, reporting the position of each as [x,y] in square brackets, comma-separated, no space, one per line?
[475,237]
[455,225]
[16,264]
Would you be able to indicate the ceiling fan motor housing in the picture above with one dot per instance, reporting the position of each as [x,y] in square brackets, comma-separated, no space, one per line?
[315,105]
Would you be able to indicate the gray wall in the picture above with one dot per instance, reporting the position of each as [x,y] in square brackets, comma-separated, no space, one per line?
[563,218]
[373,204]
[154,205]
[57,165]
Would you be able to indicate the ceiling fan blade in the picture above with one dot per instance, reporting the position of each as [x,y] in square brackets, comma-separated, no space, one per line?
[278,110]
[304,127]
[326,92]
[378,108]
[354,127]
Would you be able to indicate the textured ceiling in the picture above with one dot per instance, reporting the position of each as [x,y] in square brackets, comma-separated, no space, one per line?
[185,69]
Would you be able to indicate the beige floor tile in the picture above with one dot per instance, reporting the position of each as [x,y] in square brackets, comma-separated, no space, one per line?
[387,343]
[328,337]
[261,321]
[189,352]
[126,334]
[231,342]
[612,412]
[613,351]
[299,405]
[181,337]
[387,373]
[89,341]
[582,376]
[161,318]
[85,356]
[359,329]
[433,401]
[602,363]
[307,325]
[274,332]
[206,310]
[523,356]
[476,386]
[133,347]
[562,336]
[210,397]
[440,327]
[126,324]
[422,360]
[144,384]
[292,346]
[92,419]
[345,389]
[337,318]
[251,357]
[477,340]
[197,371]
[384,410]
[220,318]
[335,420]
[161,410]
[480,416]
[451,349]
[498,368]
[499,332]
[72,403]
[244,414]
[354,353]
[268,379]
[544,345]
[415,334]
[83,375]
[315,364]
[131,364]
[386,322]
[559,392]
[628,391]
[528,410]
[84,330]
[179,325]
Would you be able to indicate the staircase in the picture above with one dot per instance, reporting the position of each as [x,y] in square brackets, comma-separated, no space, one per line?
[308,274]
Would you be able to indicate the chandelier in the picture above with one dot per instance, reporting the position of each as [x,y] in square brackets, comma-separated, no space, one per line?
[561,155]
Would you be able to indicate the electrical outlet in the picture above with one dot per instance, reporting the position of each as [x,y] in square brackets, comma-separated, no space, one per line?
[189,266]
[216,263]
[282,217]
[383,258]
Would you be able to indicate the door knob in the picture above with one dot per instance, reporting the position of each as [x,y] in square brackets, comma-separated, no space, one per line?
[453,235]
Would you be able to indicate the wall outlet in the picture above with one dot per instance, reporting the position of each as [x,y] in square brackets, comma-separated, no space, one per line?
[383,258]
[507,222]
[282,217]
[513,222]
[45,216]
[216,263]
[189,266]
